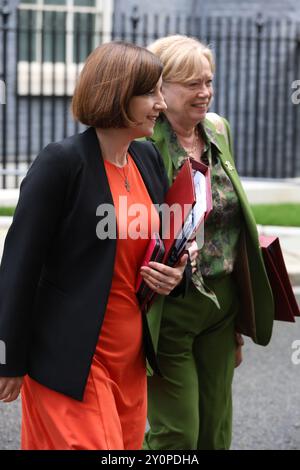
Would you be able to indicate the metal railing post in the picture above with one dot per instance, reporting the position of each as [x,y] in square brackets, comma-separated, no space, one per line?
[134,19]
[5,12]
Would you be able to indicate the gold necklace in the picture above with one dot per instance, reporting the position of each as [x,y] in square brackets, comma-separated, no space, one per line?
[191,150]
[121,171]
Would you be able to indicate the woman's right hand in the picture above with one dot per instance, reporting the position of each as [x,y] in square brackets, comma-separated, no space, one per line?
[10,388]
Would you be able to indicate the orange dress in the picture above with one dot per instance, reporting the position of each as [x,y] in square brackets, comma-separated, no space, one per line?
[113,412]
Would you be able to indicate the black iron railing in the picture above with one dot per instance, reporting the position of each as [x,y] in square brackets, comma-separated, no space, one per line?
[257,61]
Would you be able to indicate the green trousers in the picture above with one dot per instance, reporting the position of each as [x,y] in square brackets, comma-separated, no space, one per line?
[191,406]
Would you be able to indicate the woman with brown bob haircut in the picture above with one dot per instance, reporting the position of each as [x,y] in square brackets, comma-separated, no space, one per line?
[69,317]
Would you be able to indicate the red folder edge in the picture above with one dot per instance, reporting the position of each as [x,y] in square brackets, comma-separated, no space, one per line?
[181,192]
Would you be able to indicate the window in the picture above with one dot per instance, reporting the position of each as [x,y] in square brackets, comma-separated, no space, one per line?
[55,37]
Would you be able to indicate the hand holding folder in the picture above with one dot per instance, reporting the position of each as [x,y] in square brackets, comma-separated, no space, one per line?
[188,202]
[155,252]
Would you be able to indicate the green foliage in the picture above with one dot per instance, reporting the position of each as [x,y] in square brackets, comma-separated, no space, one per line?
[287,215]
[7,211]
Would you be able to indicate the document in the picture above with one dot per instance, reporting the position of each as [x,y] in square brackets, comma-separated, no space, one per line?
[195,219]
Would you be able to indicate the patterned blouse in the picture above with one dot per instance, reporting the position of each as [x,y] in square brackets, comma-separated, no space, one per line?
[222,228]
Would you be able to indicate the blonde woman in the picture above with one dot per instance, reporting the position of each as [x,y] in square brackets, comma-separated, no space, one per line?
[197,337]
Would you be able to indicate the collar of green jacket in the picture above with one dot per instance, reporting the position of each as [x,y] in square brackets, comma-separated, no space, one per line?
[216,132]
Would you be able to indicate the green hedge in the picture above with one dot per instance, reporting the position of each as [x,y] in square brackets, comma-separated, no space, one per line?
[7,211]
[287,215]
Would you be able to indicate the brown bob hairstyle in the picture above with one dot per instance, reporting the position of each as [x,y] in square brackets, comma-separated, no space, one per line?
[113,73]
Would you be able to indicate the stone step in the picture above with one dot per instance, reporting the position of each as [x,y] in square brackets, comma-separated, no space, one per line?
[272,191]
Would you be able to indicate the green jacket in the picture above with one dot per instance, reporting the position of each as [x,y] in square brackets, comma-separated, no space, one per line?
[256,315]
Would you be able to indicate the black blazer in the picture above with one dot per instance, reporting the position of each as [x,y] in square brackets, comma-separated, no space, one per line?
[55,275]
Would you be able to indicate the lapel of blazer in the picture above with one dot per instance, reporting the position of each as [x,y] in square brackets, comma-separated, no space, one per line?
[95,161]
[229,167]
[139,160]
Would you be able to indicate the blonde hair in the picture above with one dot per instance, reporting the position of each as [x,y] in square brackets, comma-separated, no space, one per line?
[182,57]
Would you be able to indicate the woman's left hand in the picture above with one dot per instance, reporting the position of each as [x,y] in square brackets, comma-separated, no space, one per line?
[239,341]
[161,278]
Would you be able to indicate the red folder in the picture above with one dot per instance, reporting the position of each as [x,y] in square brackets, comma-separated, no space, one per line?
[286,307]
[182,195]
[170,248]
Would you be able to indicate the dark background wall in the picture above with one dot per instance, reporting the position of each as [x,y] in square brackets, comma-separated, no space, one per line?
[282,8]
[257,49]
